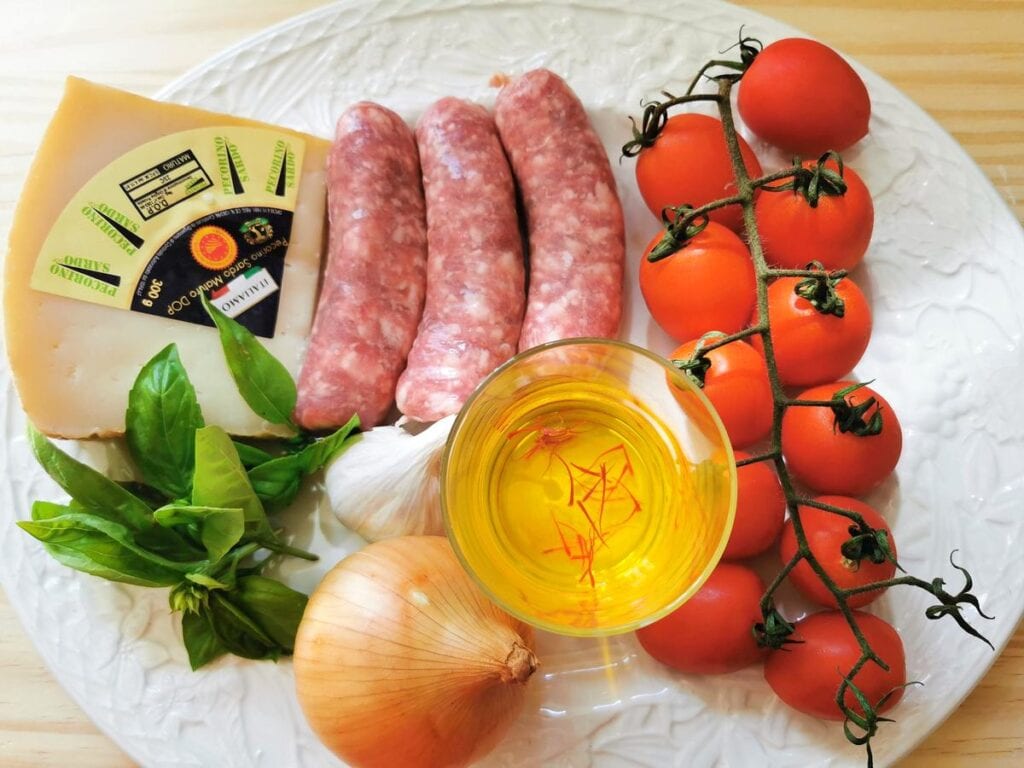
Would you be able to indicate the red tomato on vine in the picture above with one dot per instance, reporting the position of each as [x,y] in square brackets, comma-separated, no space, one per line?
[849,449]
[834,229]
[712,632]
[736,383]
[811,346]
[826,533]
[760,510]
[807,674]
[688,164]
[707,285]
[804,98]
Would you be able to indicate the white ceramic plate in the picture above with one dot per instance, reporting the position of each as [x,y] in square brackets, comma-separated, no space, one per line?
[946,352]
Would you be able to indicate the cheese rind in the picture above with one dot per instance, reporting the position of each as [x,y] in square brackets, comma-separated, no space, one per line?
[73,361]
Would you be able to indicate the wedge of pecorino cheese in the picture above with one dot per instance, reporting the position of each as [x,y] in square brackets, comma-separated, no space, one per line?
[132,209]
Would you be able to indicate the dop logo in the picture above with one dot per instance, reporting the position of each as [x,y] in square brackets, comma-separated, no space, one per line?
[213,247]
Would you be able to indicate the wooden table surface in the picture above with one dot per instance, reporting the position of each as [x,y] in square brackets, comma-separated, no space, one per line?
[962,61]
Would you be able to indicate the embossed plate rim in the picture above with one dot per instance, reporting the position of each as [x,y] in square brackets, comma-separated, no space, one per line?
[190,88]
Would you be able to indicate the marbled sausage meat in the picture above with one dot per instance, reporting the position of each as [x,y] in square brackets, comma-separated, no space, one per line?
[375,277]
[573,214]
[475,271]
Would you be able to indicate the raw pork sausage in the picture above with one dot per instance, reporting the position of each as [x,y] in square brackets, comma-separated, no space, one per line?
[573,214]
[375,278]
[475,270]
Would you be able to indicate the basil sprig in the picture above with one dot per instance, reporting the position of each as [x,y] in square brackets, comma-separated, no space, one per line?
[198,519]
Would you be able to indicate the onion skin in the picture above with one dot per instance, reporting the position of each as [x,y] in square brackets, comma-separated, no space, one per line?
[401,661]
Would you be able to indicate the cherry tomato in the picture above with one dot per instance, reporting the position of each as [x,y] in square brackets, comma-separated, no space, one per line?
[826,533]
[712,632]
[689,164]
[760,509]
[737,385]
[807,675]
[813,347]
[708,285]
[835,232]
[822,456]
[804,98]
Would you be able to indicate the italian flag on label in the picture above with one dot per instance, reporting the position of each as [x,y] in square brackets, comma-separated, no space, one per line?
[245,291]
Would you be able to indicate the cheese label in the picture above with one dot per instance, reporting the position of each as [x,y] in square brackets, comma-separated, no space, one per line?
[206,211]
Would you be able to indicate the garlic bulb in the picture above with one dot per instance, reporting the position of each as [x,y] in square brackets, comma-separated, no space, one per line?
[387,483]
[400,660]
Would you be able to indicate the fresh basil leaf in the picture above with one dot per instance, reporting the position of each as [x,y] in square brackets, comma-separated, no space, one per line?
[220,528]
[147,494]
[170,543]
[278,481]
[124,536]
[95,545]
[89,488]
[250,455]
[262,381]
[156,540]
[276,608]
[317,454]
[237,631]
[162,417]
[259,619]
[220,480]
[47,510]
[200,640]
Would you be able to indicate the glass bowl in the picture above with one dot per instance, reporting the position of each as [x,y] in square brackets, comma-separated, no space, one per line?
[588,486]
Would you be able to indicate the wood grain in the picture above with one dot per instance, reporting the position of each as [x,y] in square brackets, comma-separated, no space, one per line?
[963,62]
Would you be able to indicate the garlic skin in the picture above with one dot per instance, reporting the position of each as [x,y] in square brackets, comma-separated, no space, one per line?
[401,661]
[387,483]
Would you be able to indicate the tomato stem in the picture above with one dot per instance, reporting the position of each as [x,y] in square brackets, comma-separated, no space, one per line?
[764,182]
[949,604]
[684,222]
[819,289]
[696,366]
[749,47]
[857,419]
[653,120]
[766,599]
[773,273]
[780,400]
[821,180]
[812,182]
[707,346]
[655,113]
[733,65]
[681,221]
[769,456]
[856,517]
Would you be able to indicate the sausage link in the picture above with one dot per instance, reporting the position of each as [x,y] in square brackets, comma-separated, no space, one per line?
[475,270]
[375,278]
[573,214]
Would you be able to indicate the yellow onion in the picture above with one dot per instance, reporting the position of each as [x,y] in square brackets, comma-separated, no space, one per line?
[400,660]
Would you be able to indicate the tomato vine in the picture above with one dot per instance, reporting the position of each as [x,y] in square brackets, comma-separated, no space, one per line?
[683,222]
